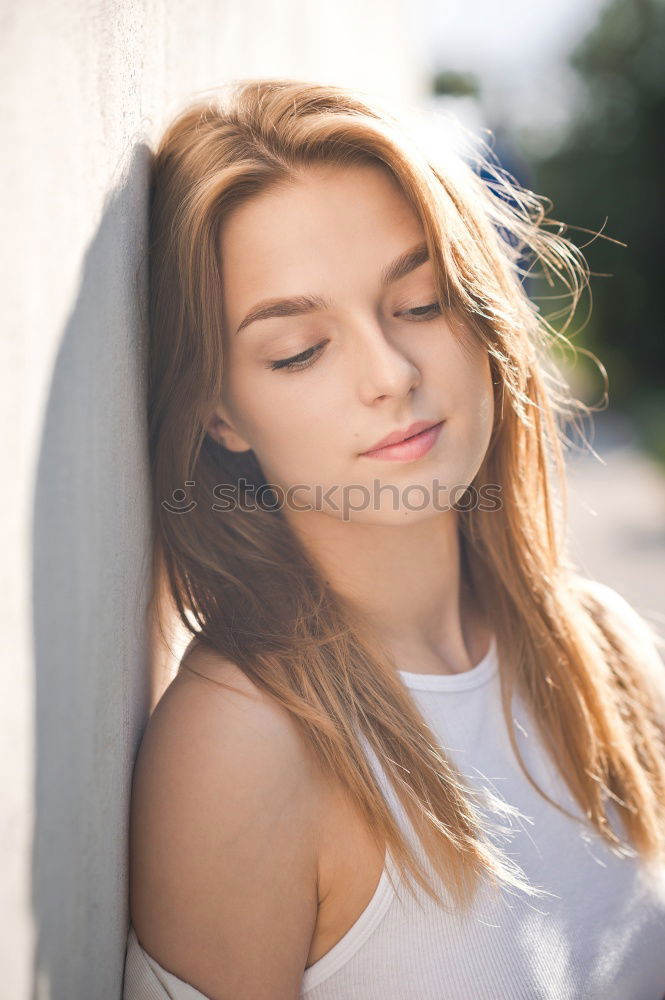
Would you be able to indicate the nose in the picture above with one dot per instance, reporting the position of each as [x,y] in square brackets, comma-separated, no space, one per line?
[385,370]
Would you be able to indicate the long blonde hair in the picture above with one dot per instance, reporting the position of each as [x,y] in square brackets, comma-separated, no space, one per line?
[242,582]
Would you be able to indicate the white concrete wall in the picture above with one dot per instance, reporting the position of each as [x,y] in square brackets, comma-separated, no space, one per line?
[86,85]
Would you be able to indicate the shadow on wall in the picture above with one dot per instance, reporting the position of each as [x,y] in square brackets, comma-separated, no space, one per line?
[91,578]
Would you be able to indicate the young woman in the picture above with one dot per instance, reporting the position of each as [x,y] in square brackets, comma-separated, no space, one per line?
[410,751]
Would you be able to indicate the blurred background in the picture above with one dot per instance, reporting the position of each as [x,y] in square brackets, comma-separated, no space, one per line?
[569,96]
[571,99]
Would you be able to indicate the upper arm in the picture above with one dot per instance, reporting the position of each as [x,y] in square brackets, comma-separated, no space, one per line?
[223,842]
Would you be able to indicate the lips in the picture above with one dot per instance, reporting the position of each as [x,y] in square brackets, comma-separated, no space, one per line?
[397,436]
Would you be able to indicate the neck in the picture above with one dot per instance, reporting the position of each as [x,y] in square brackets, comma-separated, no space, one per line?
[406,581]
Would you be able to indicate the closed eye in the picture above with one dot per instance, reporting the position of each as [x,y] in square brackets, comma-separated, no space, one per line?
[302,360]
[418,314]
[424,312]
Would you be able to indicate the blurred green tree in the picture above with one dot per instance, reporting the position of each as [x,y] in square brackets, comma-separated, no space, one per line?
[450,83]
[608,175]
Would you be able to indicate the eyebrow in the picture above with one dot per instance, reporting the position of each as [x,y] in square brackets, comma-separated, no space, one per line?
[299,305]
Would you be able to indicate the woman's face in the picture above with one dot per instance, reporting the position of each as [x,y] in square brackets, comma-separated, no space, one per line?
[373,358]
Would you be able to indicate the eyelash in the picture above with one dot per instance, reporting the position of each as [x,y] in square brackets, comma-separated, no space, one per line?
[306,358]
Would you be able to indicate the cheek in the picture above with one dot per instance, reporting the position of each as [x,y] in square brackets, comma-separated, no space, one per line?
[277,409]
[486,395]
[482,417]
[466,369]
[481,395]
[250,400]
[472,398]
[280,420]
[290,430]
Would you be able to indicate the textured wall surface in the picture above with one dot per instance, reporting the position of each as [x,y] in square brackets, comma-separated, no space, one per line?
[86,88]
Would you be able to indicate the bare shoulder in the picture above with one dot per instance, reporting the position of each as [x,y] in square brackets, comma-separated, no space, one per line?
[614,607]
[224,835]
[644,640]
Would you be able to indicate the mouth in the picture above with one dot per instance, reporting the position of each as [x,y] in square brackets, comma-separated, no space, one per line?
[409,447]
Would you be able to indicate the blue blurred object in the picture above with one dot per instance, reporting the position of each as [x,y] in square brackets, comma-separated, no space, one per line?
[502,153]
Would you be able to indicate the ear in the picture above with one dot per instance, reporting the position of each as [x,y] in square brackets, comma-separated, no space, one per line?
[222,431]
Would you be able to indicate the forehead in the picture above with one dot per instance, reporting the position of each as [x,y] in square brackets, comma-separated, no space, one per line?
[333,222]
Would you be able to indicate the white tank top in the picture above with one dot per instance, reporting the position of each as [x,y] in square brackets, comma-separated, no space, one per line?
[599,934]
